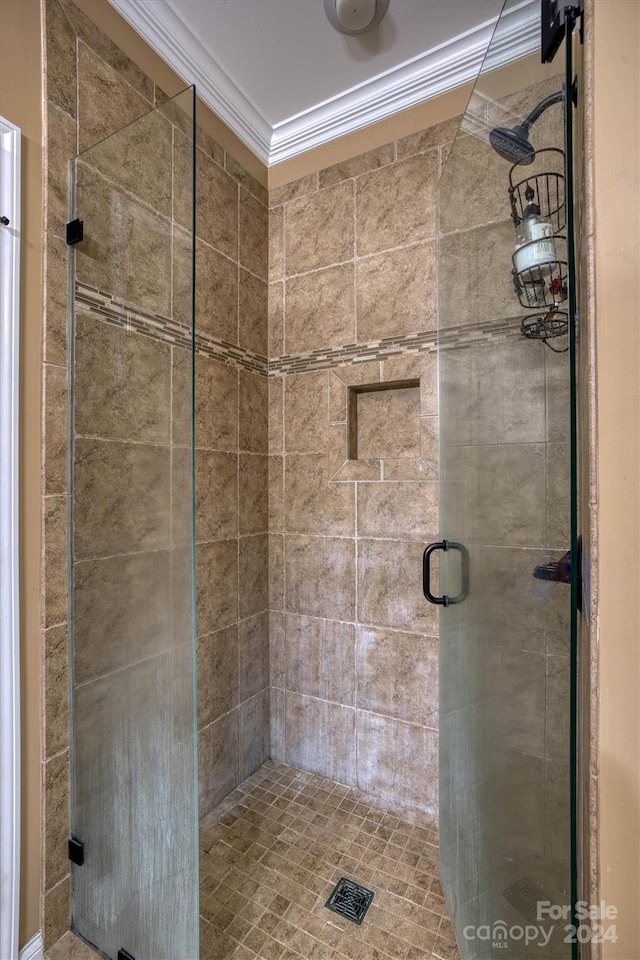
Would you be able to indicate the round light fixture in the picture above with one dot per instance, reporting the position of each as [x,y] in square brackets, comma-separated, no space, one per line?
[355,16]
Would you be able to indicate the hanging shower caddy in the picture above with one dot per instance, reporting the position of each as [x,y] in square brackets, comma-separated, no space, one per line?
[539,270]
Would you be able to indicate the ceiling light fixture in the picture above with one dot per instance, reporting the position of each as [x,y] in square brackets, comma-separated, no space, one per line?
[355,16]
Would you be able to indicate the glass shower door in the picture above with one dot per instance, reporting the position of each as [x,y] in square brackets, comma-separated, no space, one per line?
[134,796]
[505,648]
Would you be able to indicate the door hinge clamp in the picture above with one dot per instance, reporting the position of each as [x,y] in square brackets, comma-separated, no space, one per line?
[574,91]
[75,232]
[76,851]
[555,14]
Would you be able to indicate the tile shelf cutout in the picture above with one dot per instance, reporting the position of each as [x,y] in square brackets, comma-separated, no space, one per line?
[386,426]
[382,425]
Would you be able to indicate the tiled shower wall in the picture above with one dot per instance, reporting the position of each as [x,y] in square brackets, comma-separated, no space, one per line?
[353,643]
[359,255]
[231,479]
[328,561]
[93,90]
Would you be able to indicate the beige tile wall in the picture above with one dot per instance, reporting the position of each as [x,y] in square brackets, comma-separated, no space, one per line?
[353,643]
[360,252]
[92,90]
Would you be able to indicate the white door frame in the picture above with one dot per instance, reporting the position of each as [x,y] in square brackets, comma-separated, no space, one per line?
[9,518]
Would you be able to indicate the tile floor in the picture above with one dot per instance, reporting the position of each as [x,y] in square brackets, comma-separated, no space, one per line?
[70,947]
[273,851]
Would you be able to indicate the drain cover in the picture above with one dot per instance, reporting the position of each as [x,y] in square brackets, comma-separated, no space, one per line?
[350,900]
[525,896]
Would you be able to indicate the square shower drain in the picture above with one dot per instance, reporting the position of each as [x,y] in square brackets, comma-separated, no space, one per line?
[350,900]
[525,897]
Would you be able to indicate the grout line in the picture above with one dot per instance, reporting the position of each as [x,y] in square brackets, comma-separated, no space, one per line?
[46,891]
[237,538]
[169,648]
[355,636]
[240,703]
[77,116]
[284,555]
[238,273]
[284,280]
[55,756]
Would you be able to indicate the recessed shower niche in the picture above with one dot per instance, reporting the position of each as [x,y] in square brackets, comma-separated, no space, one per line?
[384,421]
[388,425]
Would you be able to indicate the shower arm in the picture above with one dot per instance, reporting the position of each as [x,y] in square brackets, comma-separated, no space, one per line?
[538,110]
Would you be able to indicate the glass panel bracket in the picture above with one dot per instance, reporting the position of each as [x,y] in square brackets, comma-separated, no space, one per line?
[75,232]
[75,851]
[554,17]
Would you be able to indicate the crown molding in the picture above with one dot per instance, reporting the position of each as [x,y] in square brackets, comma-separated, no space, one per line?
[429,75]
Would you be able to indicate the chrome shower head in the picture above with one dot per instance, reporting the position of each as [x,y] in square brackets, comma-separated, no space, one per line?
[512,144]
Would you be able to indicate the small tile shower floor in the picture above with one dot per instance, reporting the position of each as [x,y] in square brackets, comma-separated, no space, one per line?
[273,851]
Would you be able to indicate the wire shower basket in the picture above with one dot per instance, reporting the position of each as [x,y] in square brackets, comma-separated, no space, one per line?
[541,287]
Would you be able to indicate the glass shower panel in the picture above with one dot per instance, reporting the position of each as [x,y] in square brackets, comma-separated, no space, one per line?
[505,500]
[134,796]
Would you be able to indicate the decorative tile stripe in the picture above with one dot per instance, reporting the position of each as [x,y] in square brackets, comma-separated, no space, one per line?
[391,347]
[94,302]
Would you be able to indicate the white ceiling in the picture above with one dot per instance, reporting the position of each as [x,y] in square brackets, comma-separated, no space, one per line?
[286,57]
[285,81]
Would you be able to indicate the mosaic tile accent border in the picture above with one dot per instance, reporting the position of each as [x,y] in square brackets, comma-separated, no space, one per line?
[391,347]
[105,307]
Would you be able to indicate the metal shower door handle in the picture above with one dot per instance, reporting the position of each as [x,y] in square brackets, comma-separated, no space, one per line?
[426,572]
[444,545]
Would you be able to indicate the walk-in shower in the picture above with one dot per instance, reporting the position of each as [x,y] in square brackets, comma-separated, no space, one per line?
[280,747]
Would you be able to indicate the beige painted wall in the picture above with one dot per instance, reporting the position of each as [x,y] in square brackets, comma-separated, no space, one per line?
[617,289]
[20,102]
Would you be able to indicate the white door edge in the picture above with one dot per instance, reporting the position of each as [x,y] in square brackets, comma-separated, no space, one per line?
[10,196]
